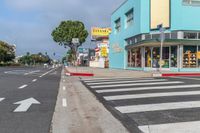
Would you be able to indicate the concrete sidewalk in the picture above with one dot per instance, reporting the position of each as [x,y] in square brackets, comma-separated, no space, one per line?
[83,113]
[100,72]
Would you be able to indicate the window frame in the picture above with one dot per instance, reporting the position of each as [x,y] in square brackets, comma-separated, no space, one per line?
[191,2]
[129,17]
[118,25]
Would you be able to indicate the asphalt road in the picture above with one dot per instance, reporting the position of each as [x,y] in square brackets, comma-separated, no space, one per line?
[38,87]
[151,105]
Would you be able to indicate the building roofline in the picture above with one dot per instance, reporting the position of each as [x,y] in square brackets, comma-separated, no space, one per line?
[119,7]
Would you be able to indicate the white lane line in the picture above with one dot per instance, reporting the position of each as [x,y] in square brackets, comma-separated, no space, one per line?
[1,99]
[149,95]
[64,102]
[47,73]
[149,88]
[136,84]
[158,107]
[34,80]
[64,88]
[181,127]
[64,80]
[186,78]
[130,81]
[32,72]
[113,79]
[23,86]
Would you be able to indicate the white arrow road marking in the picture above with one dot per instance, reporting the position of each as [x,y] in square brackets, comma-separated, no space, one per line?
[23,86]
[25,104]
[1,99]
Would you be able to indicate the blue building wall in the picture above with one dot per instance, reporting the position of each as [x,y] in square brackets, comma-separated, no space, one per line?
[118,59]
[182,18]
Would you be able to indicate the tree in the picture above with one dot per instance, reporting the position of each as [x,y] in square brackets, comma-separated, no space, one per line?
[7,52]
[66,31]
[35,59]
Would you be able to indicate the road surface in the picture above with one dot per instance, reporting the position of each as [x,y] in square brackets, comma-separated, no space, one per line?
[28,98]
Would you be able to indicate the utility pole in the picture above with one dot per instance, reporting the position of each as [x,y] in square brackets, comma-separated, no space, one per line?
[162,39]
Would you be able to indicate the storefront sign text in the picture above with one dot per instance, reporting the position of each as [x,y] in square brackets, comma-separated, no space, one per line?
[116,48]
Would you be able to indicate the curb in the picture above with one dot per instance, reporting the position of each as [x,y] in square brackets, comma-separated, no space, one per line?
[175,74]
[78,74]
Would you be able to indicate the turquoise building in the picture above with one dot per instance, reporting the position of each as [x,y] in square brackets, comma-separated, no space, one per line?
[139,27]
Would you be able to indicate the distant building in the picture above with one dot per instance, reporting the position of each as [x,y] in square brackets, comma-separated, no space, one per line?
[136,37]
[84,56]
[101,38]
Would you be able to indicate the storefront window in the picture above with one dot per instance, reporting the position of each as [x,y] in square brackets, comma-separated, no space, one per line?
[147,57]
[134,58]
[198,56]
[190,56]
[138,58]
[129,58]
[173,56]
[156,57]
[165,57]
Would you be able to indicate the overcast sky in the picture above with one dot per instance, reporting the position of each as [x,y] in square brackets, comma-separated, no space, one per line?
[29,23]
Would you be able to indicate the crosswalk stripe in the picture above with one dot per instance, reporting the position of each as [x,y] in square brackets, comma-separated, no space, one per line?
[136,84]
[148,88]
[158,107]
[129,81]
[113,79]
[149,95]
[181,127]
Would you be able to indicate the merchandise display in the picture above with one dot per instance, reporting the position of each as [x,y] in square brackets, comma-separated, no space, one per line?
[189,59]
[147,57]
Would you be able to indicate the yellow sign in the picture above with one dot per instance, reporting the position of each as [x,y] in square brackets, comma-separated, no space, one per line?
[104,52]
[100,32]
[160,13]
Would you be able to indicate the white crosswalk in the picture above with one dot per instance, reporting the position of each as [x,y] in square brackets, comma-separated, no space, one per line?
[135,84]
[148,95]
[127,81]
[148,88]
[160,106]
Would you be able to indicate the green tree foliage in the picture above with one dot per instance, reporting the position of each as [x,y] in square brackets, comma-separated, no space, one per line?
[67,30]
[7,52]
[33,59]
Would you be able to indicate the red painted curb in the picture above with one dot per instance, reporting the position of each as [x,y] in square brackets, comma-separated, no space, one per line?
[82,74]
[78,74]
[180,74]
